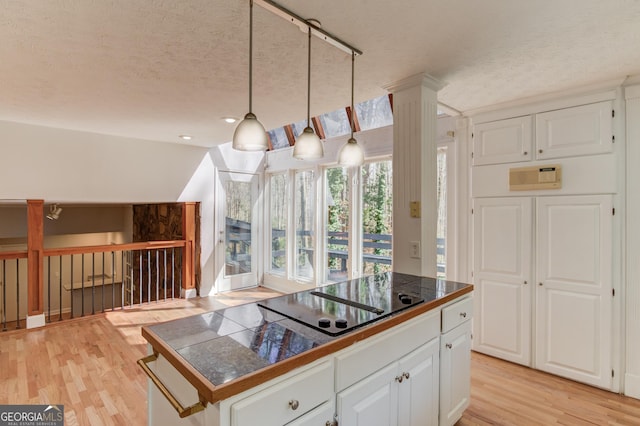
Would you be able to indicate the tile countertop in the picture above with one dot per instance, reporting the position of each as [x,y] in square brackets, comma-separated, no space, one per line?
[227,351]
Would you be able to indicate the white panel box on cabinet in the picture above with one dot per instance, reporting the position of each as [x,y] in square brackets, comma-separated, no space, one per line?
[504,141]
[581,130]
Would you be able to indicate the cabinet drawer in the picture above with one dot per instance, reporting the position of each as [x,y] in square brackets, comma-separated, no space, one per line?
[275,405]
[369,356]
[457,313]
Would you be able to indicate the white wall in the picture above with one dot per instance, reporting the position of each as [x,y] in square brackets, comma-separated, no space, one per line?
[70,166]
[66,167]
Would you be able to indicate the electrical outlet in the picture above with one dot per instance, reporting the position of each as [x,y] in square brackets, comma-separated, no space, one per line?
[415,249]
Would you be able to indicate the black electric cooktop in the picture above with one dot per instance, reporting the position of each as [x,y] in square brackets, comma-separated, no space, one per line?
[339,308]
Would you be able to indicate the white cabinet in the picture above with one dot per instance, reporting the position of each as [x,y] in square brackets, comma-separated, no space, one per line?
[455,361]
[404,393]
[418,393]
[562,257]
[568,132]
[574,288]
[502,276]
[286,400]
[319,416]
[504,141]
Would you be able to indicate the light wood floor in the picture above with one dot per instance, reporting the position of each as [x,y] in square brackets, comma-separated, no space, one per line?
[89,365]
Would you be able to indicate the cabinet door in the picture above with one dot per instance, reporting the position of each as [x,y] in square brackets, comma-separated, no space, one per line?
[502,270]
[455,373]
[569,132]
[372,401]
[319,416]
[504,141]
[573,295]
[286,400]
[418,393]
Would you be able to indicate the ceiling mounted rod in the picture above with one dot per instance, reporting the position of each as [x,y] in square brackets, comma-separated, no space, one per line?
[304,24]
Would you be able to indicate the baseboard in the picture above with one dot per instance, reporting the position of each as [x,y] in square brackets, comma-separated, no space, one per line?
[188,293]
[632,385]
[35,321]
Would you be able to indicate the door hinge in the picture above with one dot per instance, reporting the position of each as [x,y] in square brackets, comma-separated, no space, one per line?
[613,113]
[613,138]
[613,373]
[613,292]
[471,135]
[471,154]
[613,211]
[471,274]
[471,211]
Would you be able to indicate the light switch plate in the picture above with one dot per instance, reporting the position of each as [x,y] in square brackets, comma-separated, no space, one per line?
[415,249]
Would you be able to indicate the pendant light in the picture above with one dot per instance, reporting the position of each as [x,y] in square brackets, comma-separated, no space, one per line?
[308,146]
[351,154]
[250,134]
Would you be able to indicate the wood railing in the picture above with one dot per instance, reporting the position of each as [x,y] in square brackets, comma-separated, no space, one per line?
[85,280]
[13,282]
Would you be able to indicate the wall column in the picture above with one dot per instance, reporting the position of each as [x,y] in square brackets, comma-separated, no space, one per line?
[632,290]
[189,234]
[35,247]
[415,111]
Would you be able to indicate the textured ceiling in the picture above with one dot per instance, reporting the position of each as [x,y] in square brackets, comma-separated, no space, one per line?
[154,69]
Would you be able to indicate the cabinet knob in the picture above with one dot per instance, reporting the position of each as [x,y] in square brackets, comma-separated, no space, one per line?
[406,375]
[463,314]
[525,283]
[525,153]
[399,379]
[540,151]
[540,284]
[448,346]
[294,404]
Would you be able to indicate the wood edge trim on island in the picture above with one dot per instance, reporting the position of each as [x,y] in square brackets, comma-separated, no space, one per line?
[221,392]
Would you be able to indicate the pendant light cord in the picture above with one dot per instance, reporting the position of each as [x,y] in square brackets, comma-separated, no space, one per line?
[353,117]
[250,54]
[309,81]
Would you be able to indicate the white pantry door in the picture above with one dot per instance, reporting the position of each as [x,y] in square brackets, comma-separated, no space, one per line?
[237,242]
[574,288]
[501,276]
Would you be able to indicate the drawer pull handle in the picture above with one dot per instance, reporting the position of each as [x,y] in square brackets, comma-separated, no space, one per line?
[399,379]
[463,314]
[406,375]
[448,346]
[182,411]
[294,404]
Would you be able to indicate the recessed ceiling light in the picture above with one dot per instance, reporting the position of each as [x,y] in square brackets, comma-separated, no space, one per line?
[186,137]
[229,120]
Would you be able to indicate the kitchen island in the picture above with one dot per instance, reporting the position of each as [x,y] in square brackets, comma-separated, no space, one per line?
[386,349]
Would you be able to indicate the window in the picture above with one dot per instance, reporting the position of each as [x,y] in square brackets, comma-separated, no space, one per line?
[278,202]
[278,138]
[374,113]
[335,123]
[377,217]
[441,231]
[337,223]
[304,216]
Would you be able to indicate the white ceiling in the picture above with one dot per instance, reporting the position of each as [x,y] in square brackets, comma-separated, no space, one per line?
[155,69]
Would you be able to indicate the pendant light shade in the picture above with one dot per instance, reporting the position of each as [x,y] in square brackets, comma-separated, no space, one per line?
[250,134]
[351,154]
[308,146]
